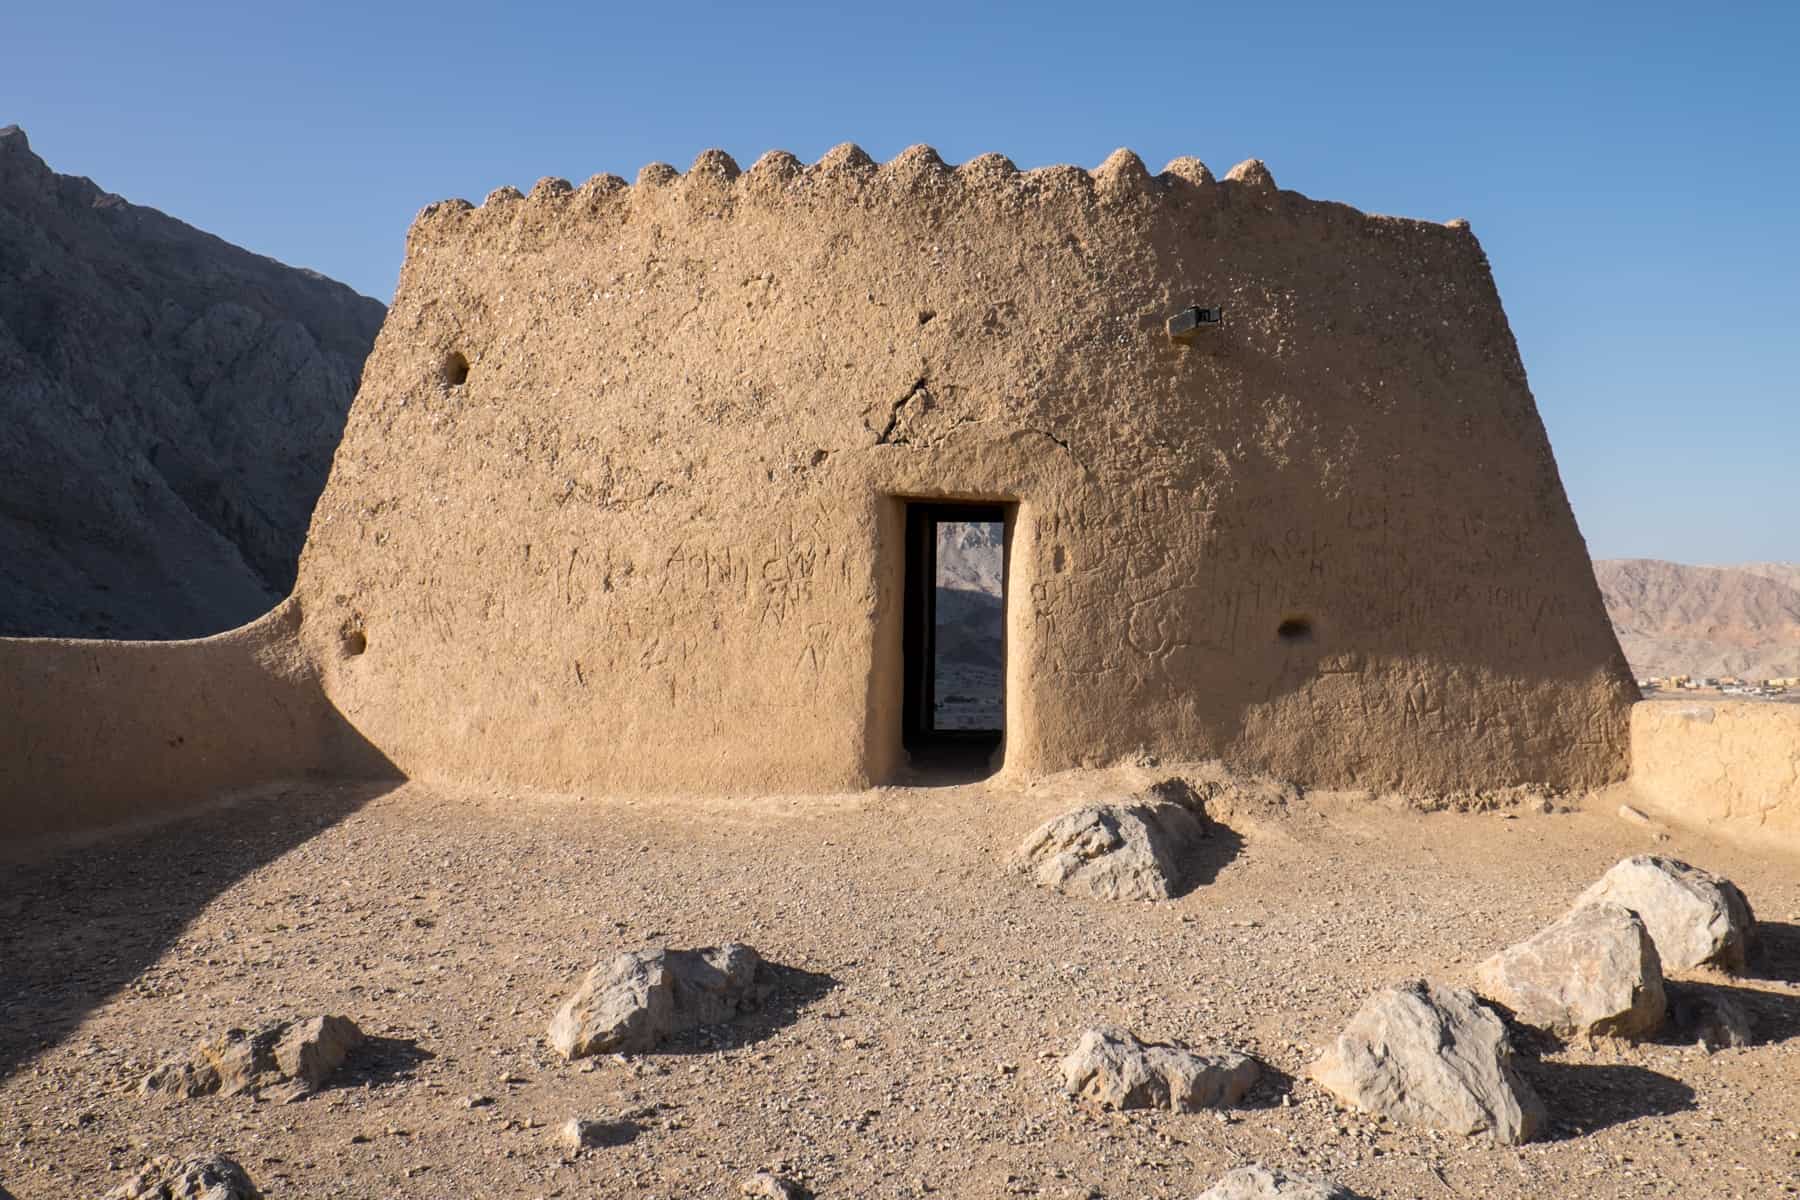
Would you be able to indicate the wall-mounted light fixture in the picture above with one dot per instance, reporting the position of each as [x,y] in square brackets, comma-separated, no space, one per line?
[1188,324]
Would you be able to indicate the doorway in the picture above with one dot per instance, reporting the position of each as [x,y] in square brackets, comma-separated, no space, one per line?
[954,637]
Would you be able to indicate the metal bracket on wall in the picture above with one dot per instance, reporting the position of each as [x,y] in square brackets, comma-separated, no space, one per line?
[1187,324]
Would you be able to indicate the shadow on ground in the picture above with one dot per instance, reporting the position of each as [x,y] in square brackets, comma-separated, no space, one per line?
[794,991]
[1778,952]
[380,1060]
[1704,1011]
[80,924]
[948,762]
[1584,1099]
[1212,854]
[1273,1085]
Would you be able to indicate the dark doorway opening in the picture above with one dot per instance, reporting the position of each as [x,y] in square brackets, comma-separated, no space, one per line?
[954,639]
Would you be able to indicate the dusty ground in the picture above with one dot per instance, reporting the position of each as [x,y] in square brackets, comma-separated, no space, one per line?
[911,1051]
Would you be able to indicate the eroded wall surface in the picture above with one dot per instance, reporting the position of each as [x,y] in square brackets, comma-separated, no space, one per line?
[97,733]
[615,507]
[1733,768]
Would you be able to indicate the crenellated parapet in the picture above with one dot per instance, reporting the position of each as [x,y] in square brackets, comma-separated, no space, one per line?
[846,175]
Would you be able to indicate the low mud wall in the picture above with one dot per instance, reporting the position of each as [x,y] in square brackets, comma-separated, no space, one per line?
[1732,768]
[96,733]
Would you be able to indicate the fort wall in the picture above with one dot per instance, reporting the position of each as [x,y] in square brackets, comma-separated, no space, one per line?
[101,733]
[1732,768]
[618,505]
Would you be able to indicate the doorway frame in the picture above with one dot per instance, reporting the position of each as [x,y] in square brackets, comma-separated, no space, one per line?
[918,639]
[898,746]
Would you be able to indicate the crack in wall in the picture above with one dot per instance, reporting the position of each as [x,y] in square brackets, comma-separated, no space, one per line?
[886,436]
[1064,446]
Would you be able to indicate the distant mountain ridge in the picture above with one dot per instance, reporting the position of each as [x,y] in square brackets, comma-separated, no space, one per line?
[1783,573]
[169,408]
[1675,619]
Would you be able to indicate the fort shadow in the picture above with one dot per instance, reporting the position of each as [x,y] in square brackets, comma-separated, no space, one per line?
[79,924]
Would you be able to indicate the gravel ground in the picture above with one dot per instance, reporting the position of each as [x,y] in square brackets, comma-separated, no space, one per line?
[926,993]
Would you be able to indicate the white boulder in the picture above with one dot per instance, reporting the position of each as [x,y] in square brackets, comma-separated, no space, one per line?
[1257,1182]
[1132,850]
[1594,972]
[1696,918]
[1429,1055]
[630,1003]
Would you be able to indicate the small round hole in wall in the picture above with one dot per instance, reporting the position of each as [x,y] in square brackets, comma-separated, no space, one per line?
[1295,629]
[353,642]
[456,369]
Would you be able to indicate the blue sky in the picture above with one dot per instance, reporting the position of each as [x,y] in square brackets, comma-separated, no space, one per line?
[1631,169]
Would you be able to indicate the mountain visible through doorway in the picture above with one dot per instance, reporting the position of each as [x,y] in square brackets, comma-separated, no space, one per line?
[969,641]
[955,636]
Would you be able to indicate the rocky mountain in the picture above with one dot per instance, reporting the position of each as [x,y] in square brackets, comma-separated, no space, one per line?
[971,555]
[169,406]
[1674,619]
[1783,573]
[970,624]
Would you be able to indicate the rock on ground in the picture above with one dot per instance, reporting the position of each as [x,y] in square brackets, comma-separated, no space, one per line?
[1695,917]
[1129,851]
[578,1134]
[295,1056]
[631,1003]
[1595,972]
[311,1050]
[166,1177]
[765,1185]
[1257,1182]
[1115,1069]
[1430,1055]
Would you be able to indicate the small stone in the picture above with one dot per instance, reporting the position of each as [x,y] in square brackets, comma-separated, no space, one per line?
[1257,1182]
[1635,816]
[477,1101]
[1116,1070]
[213,1177]
[766,1185]
[578,1134]
[296,1057]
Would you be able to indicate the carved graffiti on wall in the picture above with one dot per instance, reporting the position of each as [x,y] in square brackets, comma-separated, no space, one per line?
[751,614]
[1187,585]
